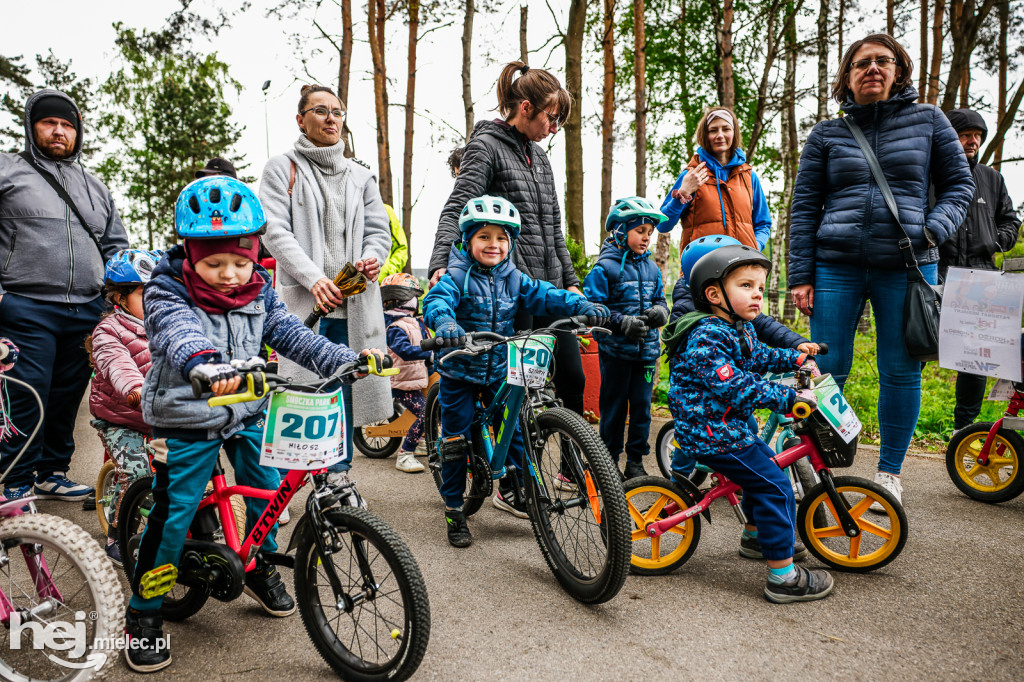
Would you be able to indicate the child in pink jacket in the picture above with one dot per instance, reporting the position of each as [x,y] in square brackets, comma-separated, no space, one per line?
[120,353]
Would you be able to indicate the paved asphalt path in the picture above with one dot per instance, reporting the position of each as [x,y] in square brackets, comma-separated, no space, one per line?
[950,607]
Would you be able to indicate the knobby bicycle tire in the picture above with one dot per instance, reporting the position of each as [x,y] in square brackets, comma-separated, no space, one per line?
[404,625]
[600,524]
[85,561]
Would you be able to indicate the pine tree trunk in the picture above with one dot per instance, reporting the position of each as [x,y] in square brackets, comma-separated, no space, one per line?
[607,107]
[467,56]
[1004,65]
[684,67]
[723,50]
[922,75]
[890,16]
[790,156]
[933,72]
[344,72]
[524,51]
[410,110]
[965,86]
[574,124]
[823,88]
[640,85]
[841,28]
[375,28]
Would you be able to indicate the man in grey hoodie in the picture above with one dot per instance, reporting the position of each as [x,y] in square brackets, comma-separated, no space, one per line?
[51,275]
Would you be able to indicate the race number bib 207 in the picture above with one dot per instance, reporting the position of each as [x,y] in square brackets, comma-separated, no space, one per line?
[304,430]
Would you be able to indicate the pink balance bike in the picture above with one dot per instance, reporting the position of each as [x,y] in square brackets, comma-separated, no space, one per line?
[60,601]
[832,518]
[358,589]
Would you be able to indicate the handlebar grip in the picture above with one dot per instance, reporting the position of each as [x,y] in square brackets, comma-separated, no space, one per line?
[822,349]
[380,365]
[432,343]
[802,410]
[4,350]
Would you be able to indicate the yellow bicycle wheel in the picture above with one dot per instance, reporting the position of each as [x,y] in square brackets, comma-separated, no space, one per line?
[998,480]
[105,494]
[882,535]
[647,498]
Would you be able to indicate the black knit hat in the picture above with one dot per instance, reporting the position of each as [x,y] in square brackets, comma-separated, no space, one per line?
[55,106]
[967,119]
[217,166]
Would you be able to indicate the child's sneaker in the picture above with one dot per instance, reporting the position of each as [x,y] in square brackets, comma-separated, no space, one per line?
[60,487]
[564,484]
[507,503]
[114,554]
[891,483]
[634,469]
[407,462]
[264,584]
[750,548]
[458,529]
[147,649]
[284,518]
[17,492]
[804,586]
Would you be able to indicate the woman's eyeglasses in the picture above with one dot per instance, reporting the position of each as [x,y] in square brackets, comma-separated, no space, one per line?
[554,120]
[322,112]
[881,62]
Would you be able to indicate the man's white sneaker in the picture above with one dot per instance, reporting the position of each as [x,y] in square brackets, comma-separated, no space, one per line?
[891,483]
[407,462]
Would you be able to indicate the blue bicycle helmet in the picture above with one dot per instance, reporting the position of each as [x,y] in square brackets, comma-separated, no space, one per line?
[488,210]
[131,266]
[218,207]
[699,248]
[629,213]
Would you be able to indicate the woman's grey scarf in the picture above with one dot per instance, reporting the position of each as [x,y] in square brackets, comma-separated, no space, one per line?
[330,169]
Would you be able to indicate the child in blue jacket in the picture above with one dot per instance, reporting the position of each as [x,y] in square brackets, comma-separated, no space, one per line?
[208,303]
[625,279]
[716,366]
[482,291]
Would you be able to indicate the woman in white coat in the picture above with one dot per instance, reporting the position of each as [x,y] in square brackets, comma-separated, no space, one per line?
[324,210]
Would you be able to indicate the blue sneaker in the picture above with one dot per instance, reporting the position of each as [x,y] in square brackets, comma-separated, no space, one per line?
[18,491]
[114,554]
[60,487]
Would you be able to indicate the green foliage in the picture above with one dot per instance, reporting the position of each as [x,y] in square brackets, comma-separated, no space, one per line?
[166,108]
[581,262]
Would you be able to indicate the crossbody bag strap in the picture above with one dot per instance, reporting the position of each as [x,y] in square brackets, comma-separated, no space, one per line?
[63,194]
[906,248]
[291,177]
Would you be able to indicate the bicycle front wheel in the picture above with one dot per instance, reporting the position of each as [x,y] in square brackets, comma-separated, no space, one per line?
[379,627]
[882,536]
[56,575]
[997,481]
[577,508]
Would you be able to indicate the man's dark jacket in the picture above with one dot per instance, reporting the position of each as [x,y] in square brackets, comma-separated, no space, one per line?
[991,224]
[499,161]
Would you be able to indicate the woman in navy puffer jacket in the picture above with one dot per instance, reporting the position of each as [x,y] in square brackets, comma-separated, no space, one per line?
[844,241]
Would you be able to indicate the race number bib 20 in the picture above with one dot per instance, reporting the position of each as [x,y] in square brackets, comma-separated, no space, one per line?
[529,360]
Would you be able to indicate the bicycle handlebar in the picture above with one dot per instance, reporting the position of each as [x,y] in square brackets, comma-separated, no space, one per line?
[473,343]
[258,383]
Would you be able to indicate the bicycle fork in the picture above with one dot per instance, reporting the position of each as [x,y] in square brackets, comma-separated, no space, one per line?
[327,543]
[840,507]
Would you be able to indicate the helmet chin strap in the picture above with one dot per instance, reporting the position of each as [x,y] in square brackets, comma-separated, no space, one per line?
[736,320]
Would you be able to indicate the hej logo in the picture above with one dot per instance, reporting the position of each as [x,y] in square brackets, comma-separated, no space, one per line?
[61,636]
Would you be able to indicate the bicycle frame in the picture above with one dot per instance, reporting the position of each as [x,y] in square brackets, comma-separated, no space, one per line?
[1012,410]
[37,567]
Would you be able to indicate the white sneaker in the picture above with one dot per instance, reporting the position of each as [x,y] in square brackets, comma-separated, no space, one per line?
[407,462]
[284,518]
[891,483]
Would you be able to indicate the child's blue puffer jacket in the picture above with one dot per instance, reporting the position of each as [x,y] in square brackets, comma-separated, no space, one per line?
[628,283]
[487,299]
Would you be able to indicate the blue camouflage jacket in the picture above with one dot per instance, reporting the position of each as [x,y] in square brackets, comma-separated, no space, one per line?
[628,283]
[714,390]
[180,331]
[487,299]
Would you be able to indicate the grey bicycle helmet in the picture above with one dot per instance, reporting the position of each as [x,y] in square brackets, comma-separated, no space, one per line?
[713,267]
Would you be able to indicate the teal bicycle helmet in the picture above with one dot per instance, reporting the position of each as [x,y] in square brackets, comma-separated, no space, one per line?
[217,207]
[629,213]
[488,210]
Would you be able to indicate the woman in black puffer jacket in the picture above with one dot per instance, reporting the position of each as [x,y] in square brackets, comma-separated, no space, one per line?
[844,241]
[503,159]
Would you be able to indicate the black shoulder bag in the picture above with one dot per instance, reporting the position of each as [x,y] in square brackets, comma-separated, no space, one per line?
[922,304]
[63,194]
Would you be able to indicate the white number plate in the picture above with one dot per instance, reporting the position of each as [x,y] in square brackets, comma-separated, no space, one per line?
[837,411]
[304,430]
[529,360]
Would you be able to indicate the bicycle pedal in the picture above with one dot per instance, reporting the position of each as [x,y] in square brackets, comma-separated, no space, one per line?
[158,582]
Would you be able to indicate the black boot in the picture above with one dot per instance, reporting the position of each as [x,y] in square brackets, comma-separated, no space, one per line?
[634,469]
[264,584]
[147,649]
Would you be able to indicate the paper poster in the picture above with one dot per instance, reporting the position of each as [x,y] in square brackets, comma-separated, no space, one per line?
[979,331]
[304,430]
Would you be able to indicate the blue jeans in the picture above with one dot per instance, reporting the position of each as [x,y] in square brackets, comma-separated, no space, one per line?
[839,295]
[336,331]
